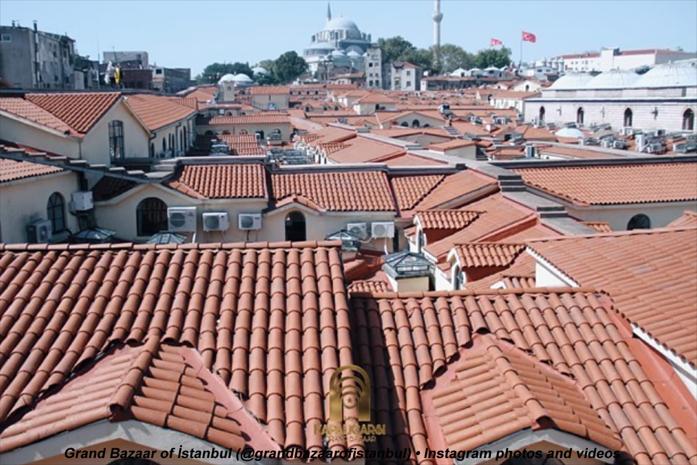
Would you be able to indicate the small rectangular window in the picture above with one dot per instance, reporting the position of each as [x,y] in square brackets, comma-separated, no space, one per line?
[6,38]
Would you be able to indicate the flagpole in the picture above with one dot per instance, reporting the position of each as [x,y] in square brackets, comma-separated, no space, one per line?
[520,57]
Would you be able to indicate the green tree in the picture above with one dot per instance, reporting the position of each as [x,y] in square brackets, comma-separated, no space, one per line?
[420,57]
[453,57]
[288,67]
[493,57]
[215,71]
[395,49]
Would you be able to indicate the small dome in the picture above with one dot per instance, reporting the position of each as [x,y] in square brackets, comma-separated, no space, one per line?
[338,53]
[226,78]
[259,70]
[353,54]
[241,77]
[677,74]
[614,79]
[571,81]
[571,133]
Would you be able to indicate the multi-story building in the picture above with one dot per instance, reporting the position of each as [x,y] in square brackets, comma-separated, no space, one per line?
[405,76]
[663,98]
[373,68]
[171,80]
[138,58]
[614,58]
[33,59]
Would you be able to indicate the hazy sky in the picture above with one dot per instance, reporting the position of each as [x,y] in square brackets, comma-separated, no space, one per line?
[193,34]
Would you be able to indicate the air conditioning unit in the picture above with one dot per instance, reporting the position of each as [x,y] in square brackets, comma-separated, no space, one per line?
[627,131]
[181,219]
[382,229]
[81,201]
[360,230]
[249,221]
[530,151]
[216,221]
[39,231]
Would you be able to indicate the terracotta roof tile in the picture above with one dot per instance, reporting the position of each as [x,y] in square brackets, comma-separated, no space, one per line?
[155,111]
[12,170]
[269,90]
[243,145]
[687,219]
[337,191]
[573,331]
[225,181]
[408,159]
[617,184]
[600,226]
[410,190]
[32,112]
[487,254]
[445,219]
[454,186]
[80,110]
[362,150]
[519,275]
[259,118]
[496,389]
[266,324]
[649,274]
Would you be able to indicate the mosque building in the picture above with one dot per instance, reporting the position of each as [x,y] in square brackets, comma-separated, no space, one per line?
[339,45]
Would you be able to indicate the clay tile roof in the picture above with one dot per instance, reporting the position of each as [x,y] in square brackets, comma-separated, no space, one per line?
[445,219]
[11,170]
[227,181]
[259,118]
[135,381]
[337,191]
[687,219]
[269,90]
[460,184]
[376,98]
[155,111]
[574,331]
[649,274]
[409,190]
[32,112]
[600,226]
[617,184]
[263,324]
[451,145]
[520,274]
[487,254]
[494,380]
[80,111]
[361,150]
[244,145]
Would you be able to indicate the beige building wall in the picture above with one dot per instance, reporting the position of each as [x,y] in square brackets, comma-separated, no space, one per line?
[240,129]
[33,136]
[25,200]
[271,101]
[618,217]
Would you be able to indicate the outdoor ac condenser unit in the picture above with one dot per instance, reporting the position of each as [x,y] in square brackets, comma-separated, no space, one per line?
[181,219]
[39,231]
[360,230]
[382,229]
[216,221]
[249,221]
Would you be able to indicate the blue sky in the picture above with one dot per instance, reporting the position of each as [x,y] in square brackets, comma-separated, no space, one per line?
[196,33]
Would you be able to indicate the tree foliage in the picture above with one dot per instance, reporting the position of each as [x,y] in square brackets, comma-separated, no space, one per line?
[215,71]
[288,67]
[493,57]
[453,57]
[395,49]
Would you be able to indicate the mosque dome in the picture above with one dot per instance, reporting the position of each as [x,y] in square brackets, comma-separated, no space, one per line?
[353,54]
[571,81]
[226,78]
[241,77]
[341,24]
[614,79]
[259,70]
[571,133]
[677,74]
[338,53]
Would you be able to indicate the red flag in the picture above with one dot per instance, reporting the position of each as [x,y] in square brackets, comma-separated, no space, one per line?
[495,42]
[529,37]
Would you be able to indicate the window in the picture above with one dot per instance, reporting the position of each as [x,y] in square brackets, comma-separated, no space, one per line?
[579,116]
[151,216]
[164,145]
[415,123]
[688,120]
[628,115]
[420,240]
[457,278]
[55,211]
[639,221]
[6,38]
[152,150]
[541,116]
[295,227]
[116,149]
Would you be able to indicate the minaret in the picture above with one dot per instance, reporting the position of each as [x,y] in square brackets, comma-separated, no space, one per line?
[437,18]
[329,12]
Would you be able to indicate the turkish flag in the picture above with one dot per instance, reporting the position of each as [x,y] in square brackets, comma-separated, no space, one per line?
[529,37]
[495,42]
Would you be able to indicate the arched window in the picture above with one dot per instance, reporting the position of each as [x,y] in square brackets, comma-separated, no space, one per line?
[116,147]
[639,221]
[420,240]
[295,227]
[164,145]
[405,124]
[457,278]
[260,134]
[579,115]
[628,116]
[688,120]
[151,216]
[415,123]
[541,116]
[55,212]
[243,132]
